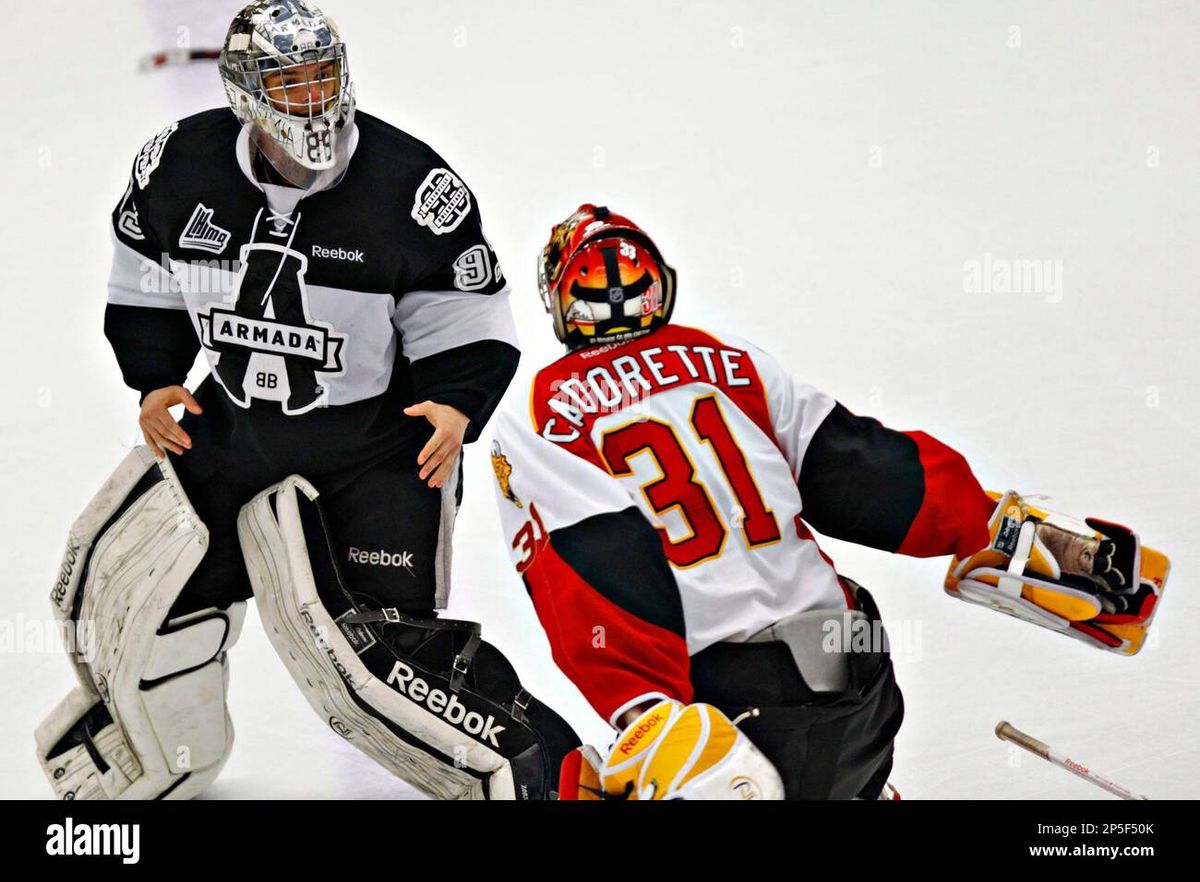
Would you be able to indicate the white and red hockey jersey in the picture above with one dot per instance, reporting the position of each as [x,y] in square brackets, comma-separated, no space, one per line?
[653,497]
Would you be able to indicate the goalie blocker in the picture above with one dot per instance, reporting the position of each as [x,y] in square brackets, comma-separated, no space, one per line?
[425,698]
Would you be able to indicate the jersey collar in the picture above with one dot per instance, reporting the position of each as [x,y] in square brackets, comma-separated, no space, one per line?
[347,144]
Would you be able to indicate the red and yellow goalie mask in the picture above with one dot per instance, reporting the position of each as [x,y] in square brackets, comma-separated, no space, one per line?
[603,280]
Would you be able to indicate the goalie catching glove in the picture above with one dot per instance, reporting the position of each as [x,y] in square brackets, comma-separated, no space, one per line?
[1094,580]
[673,751]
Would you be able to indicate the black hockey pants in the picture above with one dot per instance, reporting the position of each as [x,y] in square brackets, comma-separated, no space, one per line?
[384,524]
[825,745]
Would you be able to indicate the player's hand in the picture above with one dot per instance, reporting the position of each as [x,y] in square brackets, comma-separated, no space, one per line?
[158,426]
[439,456]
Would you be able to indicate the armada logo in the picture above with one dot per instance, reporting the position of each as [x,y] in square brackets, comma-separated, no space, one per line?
[263,342]
[312,342]
[447,706]
[200,232]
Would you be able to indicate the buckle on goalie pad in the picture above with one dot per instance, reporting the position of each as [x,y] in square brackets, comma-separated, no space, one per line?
[462,661]
[1092,580]
[148,719]
[403,690]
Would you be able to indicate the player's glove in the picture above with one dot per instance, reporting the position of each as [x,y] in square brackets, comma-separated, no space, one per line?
[1092,580]
[673,751]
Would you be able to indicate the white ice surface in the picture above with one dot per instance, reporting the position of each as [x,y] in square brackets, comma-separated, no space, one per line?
[819,173]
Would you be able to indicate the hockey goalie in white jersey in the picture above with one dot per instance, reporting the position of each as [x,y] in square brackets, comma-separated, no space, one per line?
[652,493]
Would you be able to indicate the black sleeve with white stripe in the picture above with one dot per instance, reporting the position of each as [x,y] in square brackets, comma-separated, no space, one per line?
[146,320]
[452,253]
[130,222]
[463,350]
[471,378]
[456,325]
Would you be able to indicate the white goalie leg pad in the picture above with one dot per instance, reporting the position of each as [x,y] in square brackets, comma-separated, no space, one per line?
[148,719]
[355,703]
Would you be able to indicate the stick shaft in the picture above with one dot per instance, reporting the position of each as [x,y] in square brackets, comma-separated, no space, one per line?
[1005,731]
[177,56]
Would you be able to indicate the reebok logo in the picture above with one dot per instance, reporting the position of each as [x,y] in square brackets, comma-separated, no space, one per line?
[407,683]
[338,254]
[631,743]
[382,558]
[59,594]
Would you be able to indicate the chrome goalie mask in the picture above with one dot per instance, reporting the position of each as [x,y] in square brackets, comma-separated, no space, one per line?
[285,71]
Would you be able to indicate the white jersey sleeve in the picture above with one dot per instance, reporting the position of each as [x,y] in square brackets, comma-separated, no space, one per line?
[540,483]
[797,409]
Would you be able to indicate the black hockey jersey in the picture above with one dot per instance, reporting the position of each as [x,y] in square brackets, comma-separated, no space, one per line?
[320,324]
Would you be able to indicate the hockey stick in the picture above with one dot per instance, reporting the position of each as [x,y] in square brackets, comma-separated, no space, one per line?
[1006,731]
[176,56]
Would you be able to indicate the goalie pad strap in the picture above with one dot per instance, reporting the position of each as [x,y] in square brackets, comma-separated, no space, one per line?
[1010,584]
[462,661]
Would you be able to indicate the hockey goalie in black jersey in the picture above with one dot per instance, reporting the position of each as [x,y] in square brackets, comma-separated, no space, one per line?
[334,272]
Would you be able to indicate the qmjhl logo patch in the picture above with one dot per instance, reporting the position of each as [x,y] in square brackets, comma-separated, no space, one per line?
[201,233]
